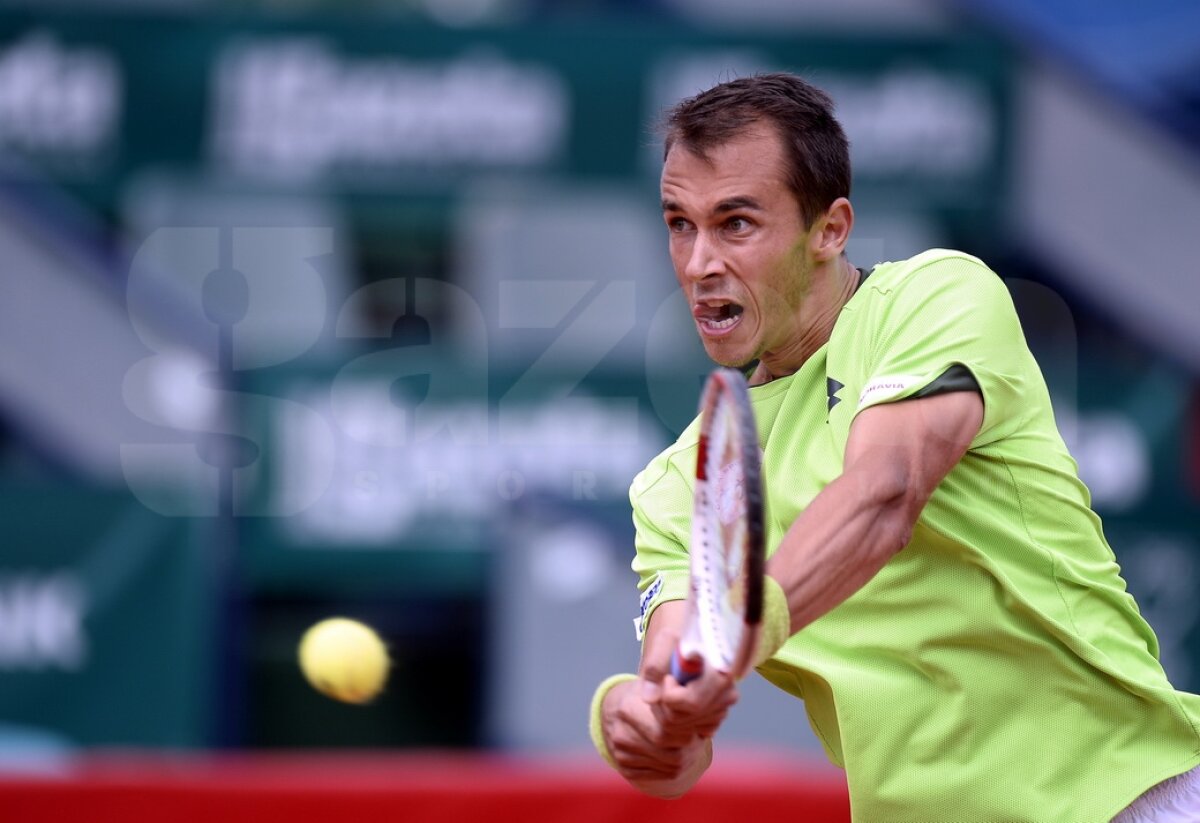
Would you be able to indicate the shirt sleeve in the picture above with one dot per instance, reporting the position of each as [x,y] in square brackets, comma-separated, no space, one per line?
[661,500]
[956,378]
[948,314]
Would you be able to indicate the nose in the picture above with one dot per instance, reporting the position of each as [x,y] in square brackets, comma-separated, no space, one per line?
[704,258]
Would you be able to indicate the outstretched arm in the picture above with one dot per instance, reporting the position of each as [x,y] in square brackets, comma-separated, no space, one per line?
[658,733]
[896,455]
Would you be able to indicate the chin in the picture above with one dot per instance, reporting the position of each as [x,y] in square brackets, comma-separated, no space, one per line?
[723,356]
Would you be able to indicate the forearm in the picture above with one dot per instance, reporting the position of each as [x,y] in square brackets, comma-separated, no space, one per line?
[845,536]
[896,455]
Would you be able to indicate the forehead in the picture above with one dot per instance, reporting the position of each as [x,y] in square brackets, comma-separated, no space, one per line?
[751,163]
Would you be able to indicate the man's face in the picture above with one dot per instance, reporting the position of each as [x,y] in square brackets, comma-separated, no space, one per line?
[738,245]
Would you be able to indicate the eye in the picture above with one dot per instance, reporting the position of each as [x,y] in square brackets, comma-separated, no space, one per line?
[737,224]
[677,224]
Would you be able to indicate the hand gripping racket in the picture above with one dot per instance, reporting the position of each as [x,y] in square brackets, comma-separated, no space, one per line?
[725,600]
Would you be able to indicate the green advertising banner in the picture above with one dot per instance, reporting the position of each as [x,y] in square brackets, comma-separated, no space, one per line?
[379,107]
[106,622]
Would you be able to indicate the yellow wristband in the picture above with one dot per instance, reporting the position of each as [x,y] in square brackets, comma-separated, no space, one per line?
[595,722]
[776,621]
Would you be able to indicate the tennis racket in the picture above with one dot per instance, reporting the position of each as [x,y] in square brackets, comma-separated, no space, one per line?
[725,599]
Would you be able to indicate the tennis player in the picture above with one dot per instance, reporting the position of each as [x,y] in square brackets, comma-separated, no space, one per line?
[955,622]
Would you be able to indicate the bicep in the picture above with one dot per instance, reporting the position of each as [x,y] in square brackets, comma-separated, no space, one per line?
[909,446]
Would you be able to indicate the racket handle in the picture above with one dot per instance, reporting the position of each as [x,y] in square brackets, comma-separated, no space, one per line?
[686,669]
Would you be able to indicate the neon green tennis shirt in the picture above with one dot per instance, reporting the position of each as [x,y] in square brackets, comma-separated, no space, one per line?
[995,670]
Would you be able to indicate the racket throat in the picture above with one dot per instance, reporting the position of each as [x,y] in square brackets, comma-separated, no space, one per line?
[685,669]
[691,644]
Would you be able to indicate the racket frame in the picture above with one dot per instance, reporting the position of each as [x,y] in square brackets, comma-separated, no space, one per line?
[724,389]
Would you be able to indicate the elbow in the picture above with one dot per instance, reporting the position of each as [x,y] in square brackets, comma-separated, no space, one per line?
[898,501]
[895,532]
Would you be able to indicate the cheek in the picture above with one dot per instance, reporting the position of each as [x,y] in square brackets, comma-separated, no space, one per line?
[782,286]
[678,252]
[794,280]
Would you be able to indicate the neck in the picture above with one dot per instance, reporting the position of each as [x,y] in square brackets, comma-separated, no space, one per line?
[831,290]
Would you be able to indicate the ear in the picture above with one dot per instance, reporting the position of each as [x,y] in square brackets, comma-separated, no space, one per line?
[831,231]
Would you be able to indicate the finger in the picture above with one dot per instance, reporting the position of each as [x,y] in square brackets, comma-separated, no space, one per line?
[674,730]
[631,749]
[688,710]
[703,729]
[677,720]
[712,691]
[656,663]
[642,775]
[655,730]
[663,762]
[674,710]
[670,764]
[663,759]
[683,714]
[641,725]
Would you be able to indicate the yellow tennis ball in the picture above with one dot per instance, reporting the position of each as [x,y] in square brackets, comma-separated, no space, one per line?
[344,659]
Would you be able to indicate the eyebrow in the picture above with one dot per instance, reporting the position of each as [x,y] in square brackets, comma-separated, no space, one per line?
[728,205]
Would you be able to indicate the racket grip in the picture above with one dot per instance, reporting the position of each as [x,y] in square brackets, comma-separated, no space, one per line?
[686,669]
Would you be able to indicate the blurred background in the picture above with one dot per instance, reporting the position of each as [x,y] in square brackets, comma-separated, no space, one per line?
[364,308]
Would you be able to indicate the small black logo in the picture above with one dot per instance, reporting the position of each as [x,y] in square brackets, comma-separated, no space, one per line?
[832,387]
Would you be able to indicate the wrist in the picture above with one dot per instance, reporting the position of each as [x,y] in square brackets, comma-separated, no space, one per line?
[776,621]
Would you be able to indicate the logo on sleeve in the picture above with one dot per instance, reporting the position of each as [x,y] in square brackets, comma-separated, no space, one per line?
[639,623]
[883,389]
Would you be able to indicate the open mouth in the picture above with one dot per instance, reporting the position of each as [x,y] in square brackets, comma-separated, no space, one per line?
[717,316]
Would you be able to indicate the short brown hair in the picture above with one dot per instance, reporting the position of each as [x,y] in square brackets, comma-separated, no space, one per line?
[816,150]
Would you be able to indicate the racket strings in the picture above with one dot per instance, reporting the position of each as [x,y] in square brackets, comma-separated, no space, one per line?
[724,533]
[727,530]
